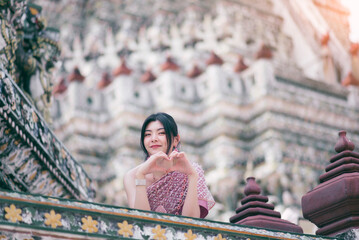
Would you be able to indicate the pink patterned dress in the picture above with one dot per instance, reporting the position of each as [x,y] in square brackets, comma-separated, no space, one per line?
[168,194]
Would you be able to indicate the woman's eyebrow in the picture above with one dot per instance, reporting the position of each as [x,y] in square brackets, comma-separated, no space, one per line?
[149,130]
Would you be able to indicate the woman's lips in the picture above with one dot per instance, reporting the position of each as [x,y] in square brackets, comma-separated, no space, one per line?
[155,146]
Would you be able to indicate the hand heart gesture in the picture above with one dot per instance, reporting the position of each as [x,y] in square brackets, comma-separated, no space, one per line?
[181,163]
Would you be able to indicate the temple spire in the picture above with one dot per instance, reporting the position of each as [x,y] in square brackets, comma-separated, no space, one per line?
[333,204]
[264,52]
[214,59]
[76,76]
[169,64]
[122,69]
[195,72]
[61,87]
[148,77]
[256,212]
[353,76]
[105,81]
[329,72]
[240,66]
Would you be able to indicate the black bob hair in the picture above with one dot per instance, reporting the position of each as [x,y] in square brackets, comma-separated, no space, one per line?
[169,125]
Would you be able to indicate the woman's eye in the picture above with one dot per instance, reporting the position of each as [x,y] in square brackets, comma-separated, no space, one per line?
[147,134]
[162,133]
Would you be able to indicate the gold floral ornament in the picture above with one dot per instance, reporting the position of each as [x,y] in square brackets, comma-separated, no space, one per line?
[13,214]
[219,237]
[125,229]
[159,233]
[89,225]
[53,219]
[189,235]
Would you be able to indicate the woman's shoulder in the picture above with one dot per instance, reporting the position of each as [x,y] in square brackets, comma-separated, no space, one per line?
[131,172]
[197,167]
[196,164]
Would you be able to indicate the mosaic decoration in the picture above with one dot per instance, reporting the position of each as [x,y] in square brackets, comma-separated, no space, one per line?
[89,225]
[13,214]
[41,217]
[53,219]
[32,158]
[125,229]
[29,50]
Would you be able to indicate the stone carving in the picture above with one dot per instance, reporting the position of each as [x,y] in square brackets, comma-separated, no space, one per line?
[29,51]
[32,159]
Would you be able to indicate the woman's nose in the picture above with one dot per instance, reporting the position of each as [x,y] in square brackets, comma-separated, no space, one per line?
[154,137]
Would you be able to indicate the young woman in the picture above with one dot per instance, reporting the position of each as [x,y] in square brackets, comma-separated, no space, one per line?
[166,181]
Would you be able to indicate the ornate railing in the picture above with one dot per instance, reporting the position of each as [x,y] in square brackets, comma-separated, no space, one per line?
[34,217]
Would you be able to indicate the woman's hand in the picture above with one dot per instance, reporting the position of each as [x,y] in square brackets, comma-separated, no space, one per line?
[181,163]
[158,162]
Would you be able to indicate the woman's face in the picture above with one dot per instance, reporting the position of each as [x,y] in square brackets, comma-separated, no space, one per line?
[155,139]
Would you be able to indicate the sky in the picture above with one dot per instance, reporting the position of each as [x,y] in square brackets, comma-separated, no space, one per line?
[353,6]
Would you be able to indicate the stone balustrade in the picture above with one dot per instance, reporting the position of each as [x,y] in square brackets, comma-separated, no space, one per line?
[25,216]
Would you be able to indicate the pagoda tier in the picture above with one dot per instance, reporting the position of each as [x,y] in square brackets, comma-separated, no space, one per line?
[334,204]
[256,212]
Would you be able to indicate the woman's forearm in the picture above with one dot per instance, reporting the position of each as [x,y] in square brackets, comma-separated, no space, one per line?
[191,206]
[141,199]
